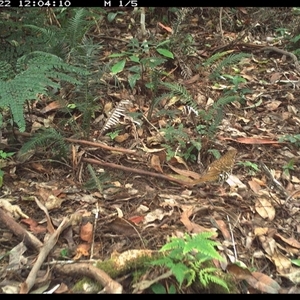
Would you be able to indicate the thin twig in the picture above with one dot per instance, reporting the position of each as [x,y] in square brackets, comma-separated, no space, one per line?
[220,23]
[232,238]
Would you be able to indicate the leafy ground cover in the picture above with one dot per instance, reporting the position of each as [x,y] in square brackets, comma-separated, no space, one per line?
[149,150]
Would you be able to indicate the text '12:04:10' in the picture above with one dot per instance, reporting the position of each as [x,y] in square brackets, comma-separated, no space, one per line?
[46,3]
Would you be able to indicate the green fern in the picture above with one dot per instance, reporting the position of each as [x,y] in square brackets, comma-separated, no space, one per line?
[207,275]
[35,73]
[6,71]
[84,56]
[95,179]
[214,58]
[182,92]
[229,60]
[46,137]
[202,241]
[226,100]
[190,258]
[62,41]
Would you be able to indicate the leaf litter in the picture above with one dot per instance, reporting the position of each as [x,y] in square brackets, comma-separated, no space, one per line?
[250,213]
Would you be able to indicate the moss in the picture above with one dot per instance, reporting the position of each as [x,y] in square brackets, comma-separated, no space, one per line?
[86,285]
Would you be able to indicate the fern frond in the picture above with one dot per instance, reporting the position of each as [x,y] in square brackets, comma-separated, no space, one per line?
[95,178]
[49,34]
[214,58]
[225,100]
[182,92]
[173,244]
[181,15]
[36,71]
[77,27]
[117,113]
[179,270]
[44,138]
[202,243]
[207,275]
[229,60]
[188,110]
[6,71]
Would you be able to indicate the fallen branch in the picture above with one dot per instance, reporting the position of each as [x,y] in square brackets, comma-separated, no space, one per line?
[132,170]
[45,250]
[81,142]
[101,145]
[23,235]
[110,286]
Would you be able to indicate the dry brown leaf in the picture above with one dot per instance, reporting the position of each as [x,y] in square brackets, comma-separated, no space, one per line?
[88,199]
[258,231]
[179,160]
[121,138]
[189,175]
[273,105]
[34,226]
[107,107]
[268,244]
[239,272]
[123,226]
[243,10]
[290,241]
[53,202]
[167,28]
[254,186]
[86,232]
[223,228]
[234,181]
[282,263]
[293,276]
[291,250]
[274,77]
[252,141]
[191,226]
[157,214]
[264,208]
[52,106]
[248,77]
[136,219]
[50,227]
[264,283]
[39,167]
[192,79]
[155,163]
[82,250]
[62,289]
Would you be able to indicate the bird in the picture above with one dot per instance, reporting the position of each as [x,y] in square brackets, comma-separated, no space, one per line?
[218,167]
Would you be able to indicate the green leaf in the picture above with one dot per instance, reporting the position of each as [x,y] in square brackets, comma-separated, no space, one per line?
[165,52]
[135,69]
[134,58]
[179,270]
[118,67]
[172,289]
[158,288]
[296,262]
[132,80]
[111,16]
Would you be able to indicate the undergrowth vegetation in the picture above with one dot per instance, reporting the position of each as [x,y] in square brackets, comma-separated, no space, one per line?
[52,55]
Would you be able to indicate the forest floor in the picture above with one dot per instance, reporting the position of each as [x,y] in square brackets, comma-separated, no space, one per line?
[150,188]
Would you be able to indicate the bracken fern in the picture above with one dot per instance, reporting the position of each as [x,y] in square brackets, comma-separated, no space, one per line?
[229,60]
[35,72]
[44,138]
[190,257]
